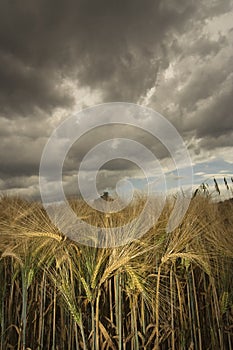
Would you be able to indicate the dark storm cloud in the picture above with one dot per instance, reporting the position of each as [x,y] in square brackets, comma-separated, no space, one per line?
[115,46]
[118,48]
[24,88]
[198,96]
[20,155]
[24,127]
[107,132]
[217,119]
[19,182]
[204,46]
[204,82]
[220,141]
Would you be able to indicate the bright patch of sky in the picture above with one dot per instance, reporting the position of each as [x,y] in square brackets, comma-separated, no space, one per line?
[204,172]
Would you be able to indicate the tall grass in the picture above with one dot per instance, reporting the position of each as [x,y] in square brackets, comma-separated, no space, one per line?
[165,291]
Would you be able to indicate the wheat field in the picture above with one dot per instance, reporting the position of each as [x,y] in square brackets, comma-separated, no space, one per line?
[164,291]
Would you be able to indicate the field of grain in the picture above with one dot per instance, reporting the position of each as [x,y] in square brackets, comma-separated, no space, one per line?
[164,291]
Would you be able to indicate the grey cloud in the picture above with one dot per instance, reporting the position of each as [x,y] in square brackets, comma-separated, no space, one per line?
[20,156]
[19,182]
[24,89]
[209,142]
[204,46]
[25,127]
[98,135]
[204,82]
[217,118]
[109,45]
[118,48]
[198,98]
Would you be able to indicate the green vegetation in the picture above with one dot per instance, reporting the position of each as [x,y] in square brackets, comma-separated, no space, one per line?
[165,291]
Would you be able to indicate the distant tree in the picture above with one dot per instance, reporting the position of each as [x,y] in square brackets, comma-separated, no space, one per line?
[106,196]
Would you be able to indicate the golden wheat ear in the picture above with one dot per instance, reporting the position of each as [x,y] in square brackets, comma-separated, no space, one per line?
[165,290]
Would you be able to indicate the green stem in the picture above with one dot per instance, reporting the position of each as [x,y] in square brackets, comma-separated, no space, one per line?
[157,308]
[24,307]
[93,324]
[172,309]
[197,311]
[54,318]
[97,319]
[119,311]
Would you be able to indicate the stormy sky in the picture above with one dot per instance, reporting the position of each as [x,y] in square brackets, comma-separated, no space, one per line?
[58,57]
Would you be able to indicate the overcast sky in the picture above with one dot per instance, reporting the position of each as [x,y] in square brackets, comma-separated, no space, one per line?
[58,57]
